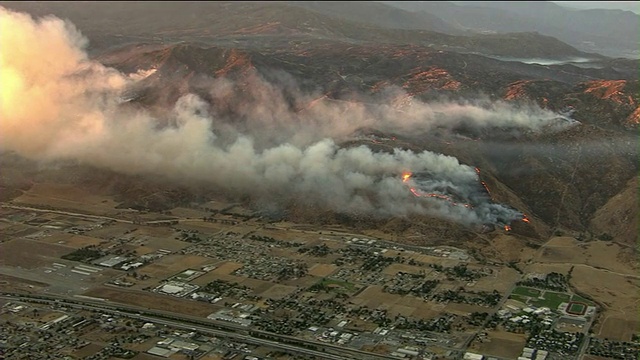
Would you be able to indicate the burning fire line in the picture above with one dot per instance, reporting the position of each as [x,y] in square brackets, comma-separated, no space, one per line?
[525,219]
[407,175]
[484,184]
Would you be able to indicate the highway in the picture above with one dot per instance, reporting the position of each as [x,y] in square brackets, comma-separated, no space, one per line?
[208,326]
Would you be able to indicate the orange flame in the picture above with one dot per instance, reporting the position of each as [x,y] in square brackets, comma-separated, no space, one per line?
[486,187]
[407,175]
[525,218]
[507,228]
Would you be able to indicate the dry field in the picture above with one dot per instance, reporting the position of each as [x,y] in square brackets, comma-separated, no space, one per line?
[322,270]
[70,240]
[258,286]
[508,248]
[30,254]
[154,301]
[204,227]
[87,351]
[427,259]
[227,268]
[373,297]
[113,230]
[304,281]
[396,268]
[170,265]
[543,268]
[209,356]
[501,280]
[619,294]
[620,329]
[154,231]
[61,196]
[208,277]
[288,235]
[168,243]
[426,309]
[10,284]
[278,291]
[503,344]
[188,213]
[603,254]
[464,309]
[15,229]
[145,356]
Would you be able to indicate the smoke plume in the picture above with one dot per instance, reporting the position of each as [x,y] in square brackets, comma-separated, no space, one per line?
[56,103]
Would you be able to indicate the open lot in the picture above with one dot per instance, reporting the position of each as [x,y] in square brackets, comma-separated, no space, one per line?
[287,235]
[167,243]
[322,270]
[502,279]
[396,268]
[62,196]
[70,240]
[113,230]
[601,254]
[619,296]
[620,329]
[463,309]
[170,265]
[503,344]
[206,228]
[183,212]
[11,283]
[227,268]
[373,297]
[30,254]
[278,291]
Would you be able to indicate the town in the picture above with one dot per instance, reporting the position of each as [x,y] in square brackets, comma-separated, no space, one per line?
[225,269]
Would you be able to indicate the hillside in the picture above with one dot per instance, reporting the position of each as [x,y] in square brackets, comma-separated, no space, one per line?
[275,24]
[618,218]
[609,32]
[554,142]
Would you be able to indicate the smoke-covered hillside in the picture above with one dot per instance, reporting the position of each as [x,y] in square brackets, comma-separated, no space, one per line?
[372,132]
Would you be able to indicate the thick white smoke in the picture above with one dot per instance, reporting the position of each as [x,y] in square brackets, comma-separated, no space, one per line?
[58,104]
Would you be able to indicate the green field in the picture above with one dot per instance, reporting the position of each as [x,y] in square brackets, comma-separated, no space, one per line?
[551,300]
[525,291]
[334,285]
[576,308]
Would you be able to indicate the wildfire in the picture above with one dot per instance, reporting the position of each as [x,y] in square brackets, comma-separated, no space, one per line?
[507,228]
[486,187]
[477,170]
[407,175]
[525,218]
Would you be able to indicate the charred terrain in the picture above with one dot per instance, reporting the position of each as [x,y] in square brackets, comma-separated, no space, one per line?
[308,114]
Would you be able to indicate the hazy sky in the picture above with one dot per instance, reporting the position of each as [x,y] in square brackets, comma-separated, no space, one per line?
[623,5]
